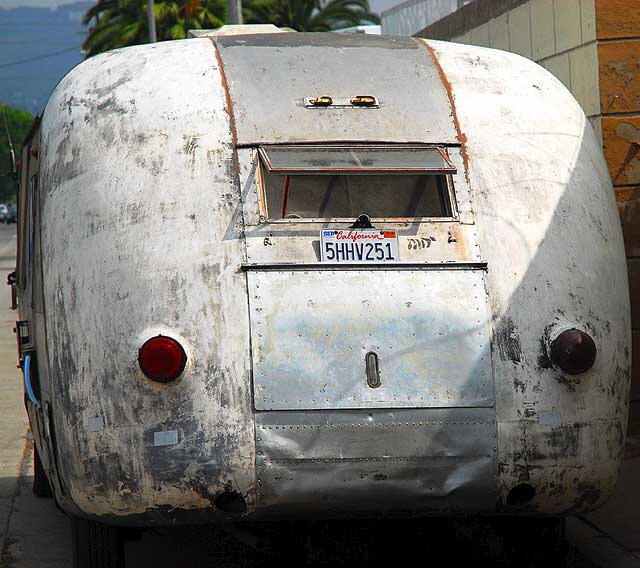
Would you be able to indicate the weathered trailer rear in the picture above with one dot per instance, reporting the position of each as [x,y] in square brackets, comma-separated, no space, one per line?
[185,189]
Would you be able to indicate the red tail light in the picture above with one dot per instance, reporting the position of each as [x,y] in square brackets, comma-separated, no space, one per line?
[573,351]
[162,359]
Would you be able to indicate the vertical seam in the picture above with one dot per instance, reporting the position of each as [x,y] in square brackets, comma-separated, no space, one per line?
[253,492]
[461,136]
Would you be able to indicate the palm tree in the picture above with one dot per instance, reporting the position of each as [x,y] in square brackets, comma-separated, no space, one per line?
[177,17]
[309,15]
[119,23]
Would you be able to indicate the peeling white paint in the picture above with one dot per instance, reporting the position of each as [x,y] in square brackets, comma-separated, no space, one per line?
[550,232]
[143,221]
[136,200]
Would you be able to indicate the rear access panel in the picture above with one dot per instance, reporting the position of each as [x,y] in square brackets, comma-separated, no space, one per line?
[374,338]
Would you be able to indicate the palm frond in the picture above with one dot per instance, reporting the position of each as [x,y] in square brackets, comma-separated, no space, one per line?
[120,23]
[310,15]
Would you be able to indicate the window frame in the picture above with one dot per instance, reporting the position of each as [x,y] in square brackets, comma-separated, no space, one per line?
[263,151]
[446,176]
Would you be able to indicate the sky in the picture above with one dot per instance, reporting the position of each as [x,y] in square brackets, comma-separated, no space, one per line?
[33,3]
[376,5]
[32,62]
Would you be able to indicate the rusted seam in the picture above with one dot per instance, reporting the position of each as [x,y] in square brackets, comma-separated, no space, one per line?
[229,103]
[251,502]
[234,134]
[462,137]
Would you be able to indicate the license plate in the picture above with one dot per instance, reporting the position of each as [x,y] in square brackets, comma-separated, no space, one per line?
[359,245]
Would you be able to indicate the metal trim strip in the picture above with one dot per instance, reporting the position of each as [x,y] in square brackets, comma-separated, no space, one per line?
[303,170]
[452,265]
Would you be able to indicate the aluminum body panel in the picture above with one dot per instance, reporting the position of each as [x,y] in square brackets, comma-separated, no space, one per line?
[400,461]
[269,77]
[549,229]
[140,238]
[311,331]
[418,242]
[441,240]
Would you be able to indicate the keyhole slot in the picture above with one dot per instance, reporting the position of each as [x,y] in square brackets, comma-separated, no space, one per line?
[373,370]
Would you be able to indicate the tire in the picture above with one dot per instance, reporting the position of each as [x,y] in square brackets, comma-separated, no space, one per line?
[41,485]
[95,545]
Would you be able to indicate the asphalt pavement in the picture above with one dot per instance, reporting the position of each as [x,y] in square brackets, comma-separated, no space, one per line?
[34,534]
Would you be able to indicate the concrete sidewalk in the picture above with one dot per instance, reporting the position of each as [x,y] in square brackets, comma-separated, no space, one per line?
[33,533]
[610,536]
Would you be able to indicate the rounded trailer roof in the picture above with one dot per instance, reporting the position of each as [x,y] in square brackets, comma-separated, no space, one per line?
[270,75]
[264,83]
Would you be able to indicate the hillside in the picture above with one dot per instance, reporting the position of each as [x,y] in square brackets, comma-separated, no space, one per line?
[38,46]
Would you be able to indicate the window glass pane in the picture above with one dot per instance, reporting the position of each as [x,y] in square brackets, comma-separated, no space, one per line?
[347,196]
[357,158]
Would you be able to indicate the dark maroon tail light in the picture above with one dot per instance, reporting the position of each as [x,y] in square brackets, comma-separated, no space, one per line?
[162,359]
[573,351]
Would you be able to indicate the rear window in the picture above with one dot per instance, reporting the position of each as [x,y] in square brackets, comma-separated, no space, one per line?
[311,182]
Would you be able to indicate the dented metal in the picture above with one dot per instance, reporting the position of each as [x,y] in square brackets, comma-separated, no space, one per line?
[148,219]
[402,462]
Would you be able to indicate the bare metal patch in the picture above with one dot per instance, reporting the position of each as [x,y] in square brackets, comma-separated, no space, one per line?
[168,438]
[549,418]
[96,424]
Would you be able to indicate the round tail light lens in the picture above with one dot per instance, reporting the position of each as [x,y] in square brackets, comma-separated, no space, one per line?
[573,351]
[162,359]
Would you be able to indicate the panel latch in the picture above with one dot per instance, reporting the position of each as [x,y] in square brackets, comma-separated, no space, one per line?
[373,371]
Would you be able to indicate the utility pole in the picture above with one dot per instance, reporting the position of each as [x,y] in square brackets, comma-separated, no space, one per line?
[151,22]
[234,11]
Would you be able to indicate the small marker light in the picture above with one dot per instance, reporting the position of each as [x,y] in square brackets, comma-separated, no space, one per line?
[573,351]
[363,100]
[162,359]
[321,101]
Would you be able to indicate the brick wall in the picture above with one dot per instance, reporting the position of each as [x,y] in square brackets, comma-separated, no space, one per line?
[618,41]
[593,47]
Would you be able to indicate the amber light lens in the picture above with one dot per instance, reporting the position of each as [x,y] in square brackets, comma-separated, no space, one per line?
[573,351]
[162,359]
